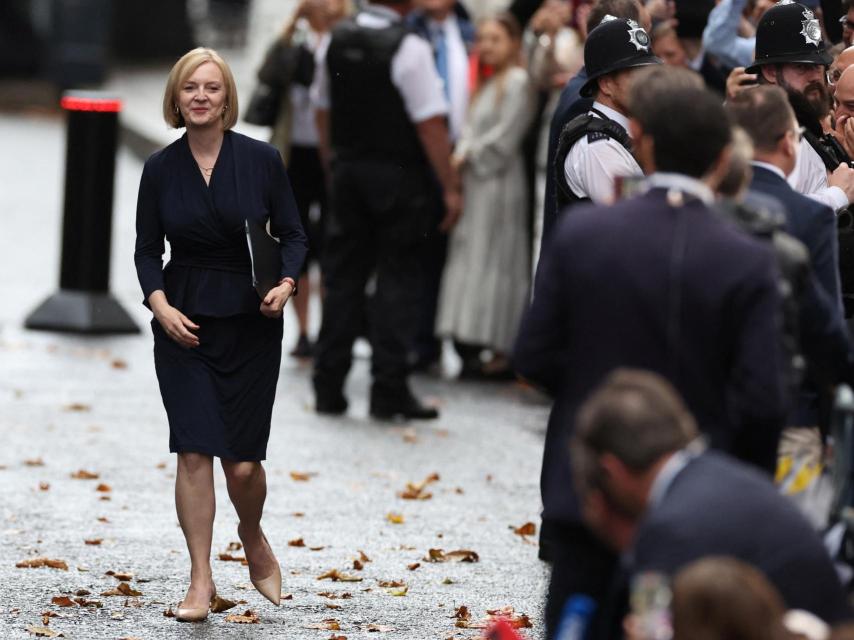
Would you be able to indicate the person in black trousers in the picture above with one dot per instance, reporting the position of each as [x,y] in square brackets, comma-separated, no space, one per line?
[382,118]
[217,344]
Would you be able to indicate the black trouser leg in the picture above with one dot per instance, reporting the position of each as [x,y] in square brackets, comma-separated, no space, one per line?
[347,263]
[433,255]
[394,316]
[582,564]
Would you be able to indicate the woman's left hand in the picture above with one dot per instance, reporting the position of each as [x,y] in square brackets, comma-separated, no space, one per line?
[274,302]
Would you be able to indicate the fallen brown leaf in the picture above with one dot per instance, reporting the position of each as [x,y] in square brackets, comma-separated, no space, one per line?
[63,601]
[103,488]
[247,617]
[94,541]
[119,364]
[218,605]
[413,566]
[358,565]
[462,613]
[330,605]
[363,557]
[300,476]
[44,632]
[35,563]
[378,628]
[104,498]
[121,576]
[77,406]
[123,589]
[460,555]
[83,474]
[298,514]
[387,584]
[527,529]
[46,616]
[82,592]
[44,486]
[316,548]
[234,546]
[103,519]
[83,602]
[296,542]
[330,624]
[418,491]
[334,637]
[337,576]
[34,462]
[227,557]
[169,613]
[335,596]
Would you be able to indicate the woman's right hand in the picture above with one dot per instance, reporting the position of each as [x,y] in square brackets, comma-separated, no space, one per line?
[176,325]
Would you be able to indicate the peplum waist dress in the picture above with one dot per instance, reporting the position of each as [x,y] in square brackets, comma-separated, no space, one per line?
[218,396]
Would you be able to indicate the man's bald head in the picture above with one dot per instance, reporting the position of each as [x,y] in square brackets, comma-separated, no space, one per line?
[840,64]
[845,94]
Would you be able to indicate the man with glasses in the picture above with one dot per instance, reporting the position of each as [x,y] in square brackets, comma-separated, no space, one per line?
[847,22]
[790,53]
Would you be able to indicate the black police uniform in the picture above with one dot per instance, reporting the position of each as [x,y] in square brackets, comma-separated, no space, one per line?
[380,208]
[614,45]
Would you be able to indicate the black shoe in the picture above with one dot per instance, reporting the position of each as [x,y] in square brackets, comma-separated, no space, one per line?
[407,407]
[304,347]
[330,405]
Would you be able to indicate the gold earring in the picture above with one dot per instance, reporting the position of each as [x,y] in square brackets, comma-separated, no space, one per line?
[176,109]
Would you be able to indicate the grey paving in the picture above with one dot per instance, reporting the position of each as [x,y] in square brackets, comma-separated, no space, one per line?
[487,443]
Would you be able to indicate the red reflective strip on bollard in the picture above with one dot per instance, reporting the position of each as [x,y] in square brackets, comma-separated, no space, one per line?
[70,103]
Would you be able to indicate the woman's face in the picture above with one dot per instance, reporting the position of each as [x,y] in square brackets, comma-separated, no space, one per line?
[202,98]
[495,46]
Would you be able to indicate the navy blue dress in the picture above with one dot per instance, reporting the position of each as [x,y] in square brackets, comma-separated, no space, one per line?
[218,396]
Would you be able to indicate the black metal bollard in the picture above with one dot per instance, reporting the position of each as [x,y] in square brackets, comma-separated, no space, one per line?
[83,303]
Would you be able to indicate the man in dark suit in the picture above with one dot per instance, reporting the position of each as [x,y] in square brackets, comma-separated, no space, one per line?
[651,490]
[571,104]
[658,282]
[767,117]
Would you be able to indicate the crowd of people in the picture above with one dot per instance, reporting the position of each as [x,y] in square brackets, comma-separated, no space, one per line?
[642,208]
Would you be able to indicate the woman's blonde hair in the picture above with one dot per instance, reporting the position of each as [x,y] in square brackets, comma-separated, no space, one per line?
[182,70]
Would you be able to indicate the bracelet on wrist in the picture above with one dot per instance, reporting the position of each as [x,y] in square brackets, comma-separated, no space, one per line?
[291,282]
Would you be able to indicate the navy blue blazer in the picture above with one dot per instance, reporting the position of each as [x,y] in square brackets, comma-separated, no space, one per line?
[570,104]
[809,221]
[606,296]
[717,506]
[209,272]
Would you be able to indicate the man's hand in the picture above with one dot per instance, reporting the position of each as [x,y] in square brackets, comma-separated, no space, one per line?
[843,177]
[739,80]
[274,301]
[453,210]
[844,133]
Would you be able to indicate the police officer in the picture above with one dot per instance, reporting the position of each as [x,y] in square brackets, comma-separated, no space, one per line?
[595,147]
[382,118]
[790,53]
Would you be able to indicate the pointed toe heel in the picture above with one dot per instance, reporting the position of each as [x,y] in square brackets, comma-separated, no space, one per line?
[270,587]
[193,614]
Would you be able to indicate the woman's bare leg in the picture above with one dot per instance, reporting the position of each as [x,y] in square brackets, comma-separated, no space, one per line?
[300,303]
[196,506]
[247,488]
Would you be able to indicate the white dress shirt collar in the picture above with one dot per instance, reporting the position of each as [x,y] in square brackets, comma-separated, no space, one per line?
[613,114]
[683,183]
[769,167]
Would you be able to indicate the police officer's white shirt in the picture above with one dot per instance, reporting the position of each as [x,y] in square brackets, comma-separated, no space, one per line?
[591,167]
[810,179]
[458,72]
[413,70]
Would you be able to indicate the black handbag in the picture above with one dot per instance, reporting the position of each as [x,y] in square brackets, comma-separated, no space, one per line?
[274,76]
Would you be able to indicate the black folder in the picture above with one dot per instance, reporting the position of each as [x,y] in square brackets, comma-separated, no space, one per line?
[266,257]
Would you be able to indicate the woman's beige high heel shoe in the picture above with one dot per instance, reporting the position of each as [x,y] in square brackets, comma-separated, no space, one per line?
[271,586]
[193,614]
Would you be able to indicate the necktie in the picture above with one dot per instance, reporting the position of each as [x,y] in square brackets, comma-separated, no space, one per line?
[440,50]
